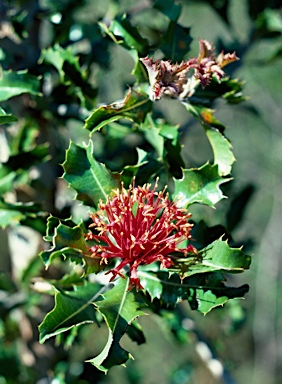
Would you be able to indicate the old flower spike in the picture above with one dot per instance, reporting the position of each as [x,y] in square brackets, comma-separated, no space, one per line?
[139,226]
[171,79]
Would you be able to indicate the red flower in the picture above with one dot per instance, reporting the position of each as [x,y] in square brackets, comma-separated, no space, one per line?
[139,226]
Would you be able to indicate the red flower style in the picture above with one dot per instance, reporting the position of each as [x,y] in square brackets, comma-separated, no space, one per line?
[139,226]
[170,79]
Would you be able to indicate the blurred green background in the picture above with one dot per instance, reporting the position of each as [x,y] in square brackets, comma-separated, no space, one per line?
[236,344]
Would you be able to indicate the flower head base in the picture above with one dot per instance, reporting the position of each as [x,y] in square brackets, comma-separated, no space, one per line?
[170,79]
[139,226]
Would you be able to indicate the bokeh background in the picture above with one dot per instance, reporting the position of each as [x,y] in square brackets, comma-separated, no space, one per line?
[240,343]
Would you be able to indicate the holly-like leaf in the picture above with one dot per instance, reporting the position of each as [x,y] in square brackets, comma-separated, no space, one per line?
[229,89]
[90,179]
[202,291]
[58,56]
[119,309]
[16,83]
[218,255]
[165,139]
[204,115]
[134,107]
[222,149]
[13,213]
[68,240]
[199,185]
[67,64]
[72,308]
[6,118]
[213,293]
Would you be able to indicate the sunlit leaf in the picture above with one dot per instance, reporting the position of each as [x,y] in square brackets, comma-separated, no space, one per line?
[7,179]
[13,213]
[72,308]
[90,179]
[134,107]
[199,185]
[6,118]
[222,150]
[218,256]
[15,83]
[139,70]
[119,309]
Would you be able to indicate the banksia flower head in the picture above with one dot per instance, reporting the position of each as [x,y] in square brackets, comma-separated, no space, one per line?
[139,226]
[171,79]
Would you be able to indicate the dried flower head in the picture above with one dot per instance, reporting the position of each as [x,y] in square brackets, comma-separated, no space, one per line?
[171,79]
[139,226]
[165,77]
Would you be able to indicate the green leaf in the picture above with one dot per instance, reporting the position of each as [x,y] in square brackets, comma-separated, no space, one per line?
[139,70]
[204,115]
[25,160]
[119,309]
[130,171]
[13,213]
[168,8]
[218,255]
[68,240]
[134,107]
[15,83]
[199,185]
[212,292]
[222,150]
[123,32]
[165,139]
[58,56]
[202,291]
[134,331]
[229,89]
[176,42]
[90,179]
[7,179]
[6,118]
[69,68]
[72,308]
